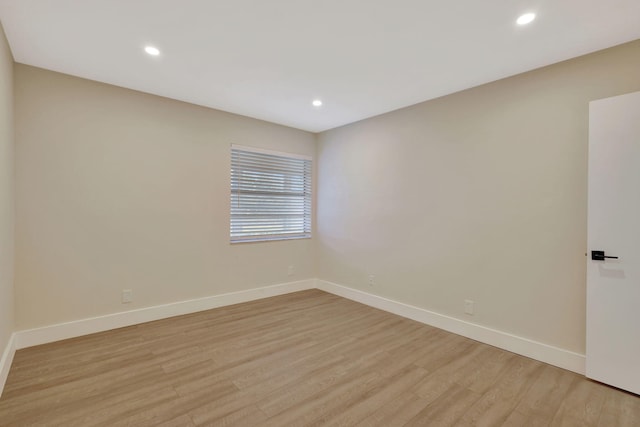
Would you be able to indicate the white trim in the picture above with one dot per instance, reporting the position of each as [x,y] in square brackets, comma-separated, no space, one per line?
[7,359]
[536,350]
[270,152]
[76,328]
[270,238]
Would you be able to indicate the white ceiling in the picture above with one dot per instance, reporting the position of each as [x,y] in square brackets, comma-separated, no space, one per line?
[269,59]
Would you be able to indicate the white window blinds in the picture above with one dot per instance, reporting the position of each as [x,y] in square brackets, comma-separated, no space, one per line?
[270,195]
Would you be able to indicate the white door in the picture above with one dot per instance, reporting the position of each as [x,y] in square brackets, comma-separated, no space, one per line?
[613,285]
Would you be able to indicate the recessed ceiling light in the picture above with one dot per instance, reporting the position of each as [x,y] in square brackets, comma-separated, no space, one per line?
[154,51]
[316,103]
[525,19]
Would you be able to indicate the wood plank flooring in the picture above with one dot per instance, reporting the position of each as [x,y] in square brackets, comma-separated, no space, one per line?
[303,359]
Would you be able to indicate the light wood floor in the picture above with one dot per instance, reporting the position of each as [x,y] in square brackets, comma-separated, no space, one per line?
[302,359]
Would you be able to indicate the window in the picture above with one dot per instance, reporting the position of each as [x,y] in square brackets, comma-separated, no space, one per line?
[270,195]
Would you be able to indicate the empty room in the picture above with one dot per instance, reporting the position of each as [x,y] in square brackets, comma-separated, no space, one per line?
[304,213]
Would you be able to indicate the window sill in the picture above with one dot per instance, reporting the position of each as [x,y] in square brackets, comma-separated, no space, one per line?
[268,239]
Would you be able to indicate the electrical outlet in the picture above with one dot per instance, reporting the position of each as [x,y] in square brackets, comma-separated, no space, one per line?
[291,271]
[127,296]
[468,306]
[372,280]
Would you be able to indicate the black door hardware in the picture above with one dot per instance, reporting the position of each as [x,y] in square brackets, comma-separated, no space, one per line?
[599,256]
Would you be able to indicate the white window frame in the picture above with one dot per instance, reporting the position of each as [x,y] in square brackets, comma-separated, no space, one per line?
[281,210]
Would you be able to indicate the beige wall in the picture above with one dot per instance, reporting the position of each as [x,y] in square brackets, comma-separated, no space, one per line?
[6,192]
[479,195]
[117,189]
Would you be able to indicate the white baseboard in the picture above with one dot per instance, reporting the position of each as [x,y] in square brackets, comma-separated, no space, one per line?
[523,346]
[7,359]
[536,350]
[61,331]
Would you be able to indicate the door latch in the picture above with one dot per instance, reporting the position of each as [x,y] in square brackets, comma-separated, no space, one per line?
[600,256]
